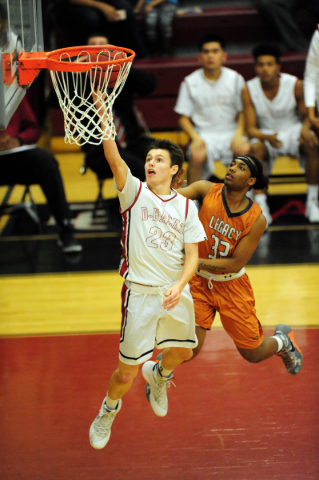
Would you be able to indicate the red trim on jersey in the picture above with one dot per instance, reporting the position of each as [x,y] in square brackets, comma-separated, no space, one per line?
[168,200]
[138,194]
[187,205]
[123,306]
[124,237]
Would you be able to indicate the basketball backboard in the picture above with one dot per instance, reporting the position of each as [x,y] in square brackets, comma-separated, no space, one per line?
[20,29]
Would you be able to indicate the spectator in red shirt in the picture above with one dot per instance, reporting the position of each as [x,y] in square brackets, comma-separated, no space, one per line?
[34,165]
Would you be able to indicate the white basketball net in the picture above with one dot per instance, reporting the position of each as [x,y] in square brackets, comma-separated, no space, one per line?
[82,119]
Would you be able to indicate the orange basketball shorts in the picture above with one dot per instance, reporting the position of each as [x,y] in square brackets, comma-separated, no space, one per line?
[235,302]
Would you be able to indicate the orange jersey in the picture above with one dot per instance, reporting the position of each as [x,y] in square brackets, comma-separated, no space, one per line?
[224,229]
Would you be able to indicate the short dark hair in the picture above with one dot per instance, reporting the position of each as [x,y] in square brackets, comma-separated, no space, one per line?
[211,37]
[262,181]
[267,49]
[176,153]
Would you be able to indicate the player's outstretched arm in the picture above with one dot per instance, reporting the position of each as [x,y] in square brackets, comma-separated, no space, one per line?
[117,164]
[194,191]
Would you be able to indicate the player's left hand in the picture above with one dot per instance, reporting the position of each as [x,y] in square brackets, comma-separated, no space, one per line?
[172,297]
[177,182]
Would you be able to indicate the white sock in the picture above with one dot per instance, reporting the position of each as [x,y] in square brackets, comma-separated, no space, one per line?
[279,341]
[162,372]
[312,193]
[111,404]
[260,198]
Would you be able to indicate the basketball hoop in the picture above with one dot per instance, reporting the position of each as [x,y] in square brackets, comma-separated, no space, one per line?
[76,73]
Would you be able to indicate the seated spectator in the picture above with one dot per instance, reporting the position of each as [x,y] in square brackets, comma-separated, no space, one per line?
[159,16]
[115,18]
[281,15]
[211,111]
[274,105]
[35,166]
[311,80]
[132,147]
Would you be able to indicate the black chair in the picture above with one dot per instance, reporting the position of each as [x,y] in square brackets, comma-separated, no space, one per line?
[27,205]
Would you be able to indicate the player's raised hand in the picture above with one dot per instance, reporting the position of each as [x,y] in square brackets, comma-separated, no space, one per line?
[177,182]
[99,100]
[101,108]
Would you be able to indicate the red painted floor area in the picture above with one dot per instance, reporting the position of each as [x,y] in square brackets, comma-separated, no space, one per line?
[227,419]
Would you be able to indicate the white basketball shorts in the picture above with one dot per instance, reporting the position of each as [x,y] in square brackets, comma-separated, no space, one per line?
[290,145]
[218,147]
[146,324]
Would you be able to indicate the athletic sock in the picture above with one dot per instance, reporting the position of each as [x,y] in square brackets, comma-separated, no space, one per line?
[161,372]
[312,193]
[111,404]
[279,341]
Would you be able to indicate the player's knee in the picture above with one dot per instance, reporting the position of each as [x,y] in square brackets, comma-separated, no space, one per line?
[196,351]
[125,377]
[252,356]
[188,354]
[258,150]
[244,149]
[183,354]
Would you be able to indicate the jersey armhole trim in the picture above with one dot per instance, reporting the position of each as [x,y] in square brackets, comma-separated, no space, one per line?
[131,206]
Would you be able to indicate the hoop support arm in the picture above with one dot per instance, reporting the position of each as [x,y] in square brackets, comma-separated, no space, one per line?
[30,64]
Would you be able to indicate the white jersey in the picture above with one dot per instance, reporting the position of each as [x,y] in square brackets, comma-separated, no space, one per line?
[280,113]
[154,232]
[212,106]
[311,80]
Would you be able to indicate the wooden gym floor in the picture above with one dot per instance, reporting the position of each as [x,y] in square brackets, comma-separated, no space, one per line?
[227,419]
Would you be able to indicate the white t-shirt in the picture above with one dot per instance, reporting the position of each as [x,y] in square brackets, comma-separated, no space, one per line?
[311,77]
[277,114]
[155,230]
[212,106]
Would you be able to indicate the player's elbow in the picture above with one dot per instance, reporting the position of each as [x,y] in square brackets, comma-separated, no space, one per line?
[237,266]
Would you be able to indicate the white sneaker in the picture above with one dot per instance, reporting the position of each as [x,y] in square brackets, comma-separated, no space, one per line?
[100,430]
[157,394]
[312,212]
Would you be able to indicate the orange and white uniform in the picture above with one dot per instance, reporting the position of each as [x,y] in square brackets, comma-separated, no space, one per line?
[229,294]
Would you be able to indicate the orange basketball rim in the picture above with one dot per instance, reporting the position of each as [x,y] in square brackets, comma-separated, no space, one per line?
[67,60]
